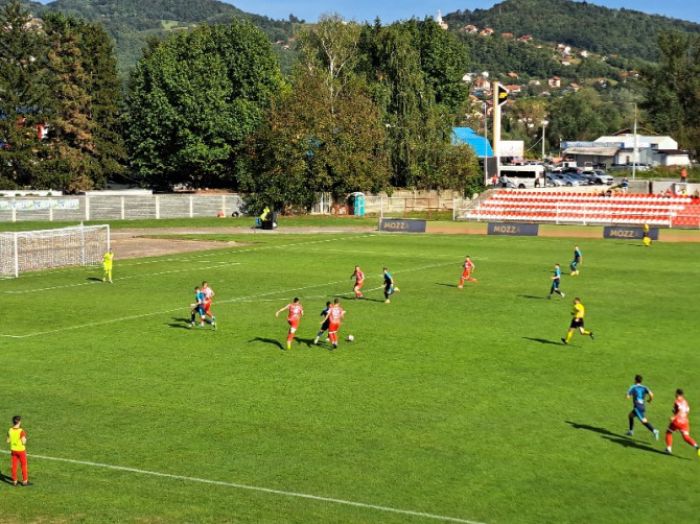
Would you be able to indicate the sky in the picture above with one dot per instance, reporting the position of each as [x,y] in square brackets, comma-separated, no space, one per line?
[362,10]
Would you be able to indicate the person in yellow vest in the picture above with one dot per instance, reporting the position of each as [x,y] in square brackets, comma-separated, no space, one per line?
[646,239]
[107,266]
[577,322]
[17,439]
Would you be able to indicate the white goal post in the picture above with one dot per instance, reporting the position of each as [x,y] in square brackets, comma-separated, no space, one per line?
[24,251]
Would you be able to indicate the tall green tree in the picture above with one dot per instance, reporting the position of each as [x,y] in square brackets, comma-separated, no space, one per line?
[106,91]
[326,133]
[672,97]
[24,94]
[71,162]
[194,99]
[415,70]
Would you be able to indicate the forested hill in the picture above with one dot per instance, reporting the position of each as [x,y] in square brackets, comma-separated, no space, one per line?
[599,29]
[132,22]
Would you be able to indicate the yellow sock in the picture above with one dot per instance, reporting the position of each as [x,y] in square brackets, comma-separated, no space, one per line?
[569,335]
[585,332]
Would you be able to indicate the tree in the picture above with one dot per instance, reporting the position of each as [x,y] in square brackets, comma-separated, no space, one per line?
[418,86]
[577,116]
[106,92]
[672,97]
[331,48]
[194,99]
[70,161]
[325,134]
[24,94]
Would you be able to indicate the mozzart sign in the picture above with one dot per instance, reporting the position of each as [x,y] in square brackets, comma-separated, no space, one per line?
[402,225]
[516,230]
[629,233]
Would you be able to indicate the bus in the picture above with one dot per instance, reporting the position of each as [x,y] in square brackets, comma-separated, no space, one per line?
[522,177]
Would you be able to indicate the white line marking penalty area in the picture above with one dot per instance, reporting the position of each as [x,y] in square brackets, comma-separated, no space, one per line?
[259,489]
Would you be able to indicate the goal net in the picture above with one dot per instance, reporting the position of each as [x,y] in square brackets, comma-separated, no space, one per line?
[24,251]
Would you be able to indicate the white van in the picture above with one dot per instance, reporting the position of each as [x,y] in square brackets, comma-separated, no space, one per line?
[522,177]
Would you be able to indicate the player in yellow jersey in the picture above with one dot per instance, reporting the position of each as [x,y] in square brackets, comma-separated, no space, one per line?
[646,239]
[578,313]
[17,439]
[107,266]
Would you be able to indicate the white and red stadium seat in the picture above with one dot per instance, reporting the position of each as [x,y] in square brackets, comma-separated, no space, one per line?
[587,208]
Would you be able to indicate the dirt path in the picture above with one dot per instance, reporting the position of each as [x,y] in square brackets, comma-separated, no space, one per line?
[137,243]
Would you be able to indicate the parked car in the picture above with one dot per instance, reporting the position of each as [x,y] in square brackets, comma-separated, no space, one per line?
[567,179]
[597,178]
[551,180]
[601,177]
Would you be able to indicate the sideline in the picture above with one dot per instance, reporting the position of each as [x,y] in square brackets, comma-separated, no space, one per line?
[272,491]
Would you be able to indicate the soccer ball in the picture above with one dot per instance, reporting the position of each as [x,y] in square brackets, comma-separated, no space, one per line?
[350,338]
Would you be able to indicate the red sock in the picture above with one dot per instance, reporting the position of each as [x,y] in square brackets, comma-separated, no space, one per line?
[290,337]
[689,440]
[669,439]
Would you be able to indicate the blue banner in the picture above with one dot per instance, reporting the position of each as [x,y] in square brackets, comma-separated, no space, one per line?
[629,233]
[514,229]
[402,225]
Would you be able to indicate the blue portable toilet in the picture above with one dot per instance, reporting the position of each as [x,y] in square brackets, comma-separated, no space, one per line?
[356,202]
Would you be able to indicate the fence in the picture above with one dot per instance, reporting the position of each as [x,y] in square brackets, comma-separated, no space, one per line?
[116,207]
[132,207]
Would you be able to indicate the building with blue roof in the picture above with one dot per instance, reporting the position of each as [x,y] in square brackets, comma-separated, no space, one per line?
[466,135]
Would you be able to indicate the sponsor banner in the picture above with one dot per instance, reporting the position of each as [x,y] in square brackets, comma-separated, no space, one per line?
[629,233]
[402,225]
[513,229]
[38,205]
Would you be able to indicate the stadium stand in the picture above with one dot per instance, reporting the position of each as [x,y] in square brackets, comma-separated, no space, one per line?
[587,208]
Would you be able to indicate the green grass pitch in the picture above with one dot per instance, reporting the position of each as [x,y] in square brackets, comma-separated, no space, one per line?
[459,404]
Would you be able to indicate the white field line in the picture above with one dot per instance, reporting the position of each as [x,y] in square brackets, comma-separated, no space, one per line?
[259,489]
[210,253]
[216,265]
[248,298]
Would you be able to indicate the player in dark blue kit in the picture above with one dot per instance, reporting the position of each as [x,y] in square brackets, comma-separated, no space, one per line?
[640,394]
[576,262]
[198,308]
[389,286]
[324,324]
[556,278]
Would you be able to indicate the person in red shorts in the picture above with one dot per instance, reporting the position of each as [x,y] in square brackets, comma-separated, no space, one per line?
[294,313]
[335,317]
[359,277]
[680,422]
[17,439]
[467,268]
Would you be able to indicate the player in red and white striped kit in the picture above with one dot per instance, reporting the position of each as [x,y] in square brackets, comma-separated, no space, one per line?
[294,313]
[467,268]
[335,318]
[680,422]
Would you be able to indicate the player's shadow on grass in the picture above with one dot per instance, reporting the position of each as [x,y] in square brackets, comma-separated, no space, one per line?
[271,341]
[533,297]
[351,298]
[93,279]
[445,284]
[616,438]
[6,479]
[544,341]
[180,323]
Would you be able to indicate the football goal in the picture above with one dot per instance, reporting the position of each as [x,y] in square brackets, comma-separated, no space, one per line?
[24,251]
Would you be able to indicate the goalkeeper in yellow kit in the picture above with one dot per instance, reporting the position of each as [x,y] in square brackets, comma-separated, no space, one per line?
[107,266]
